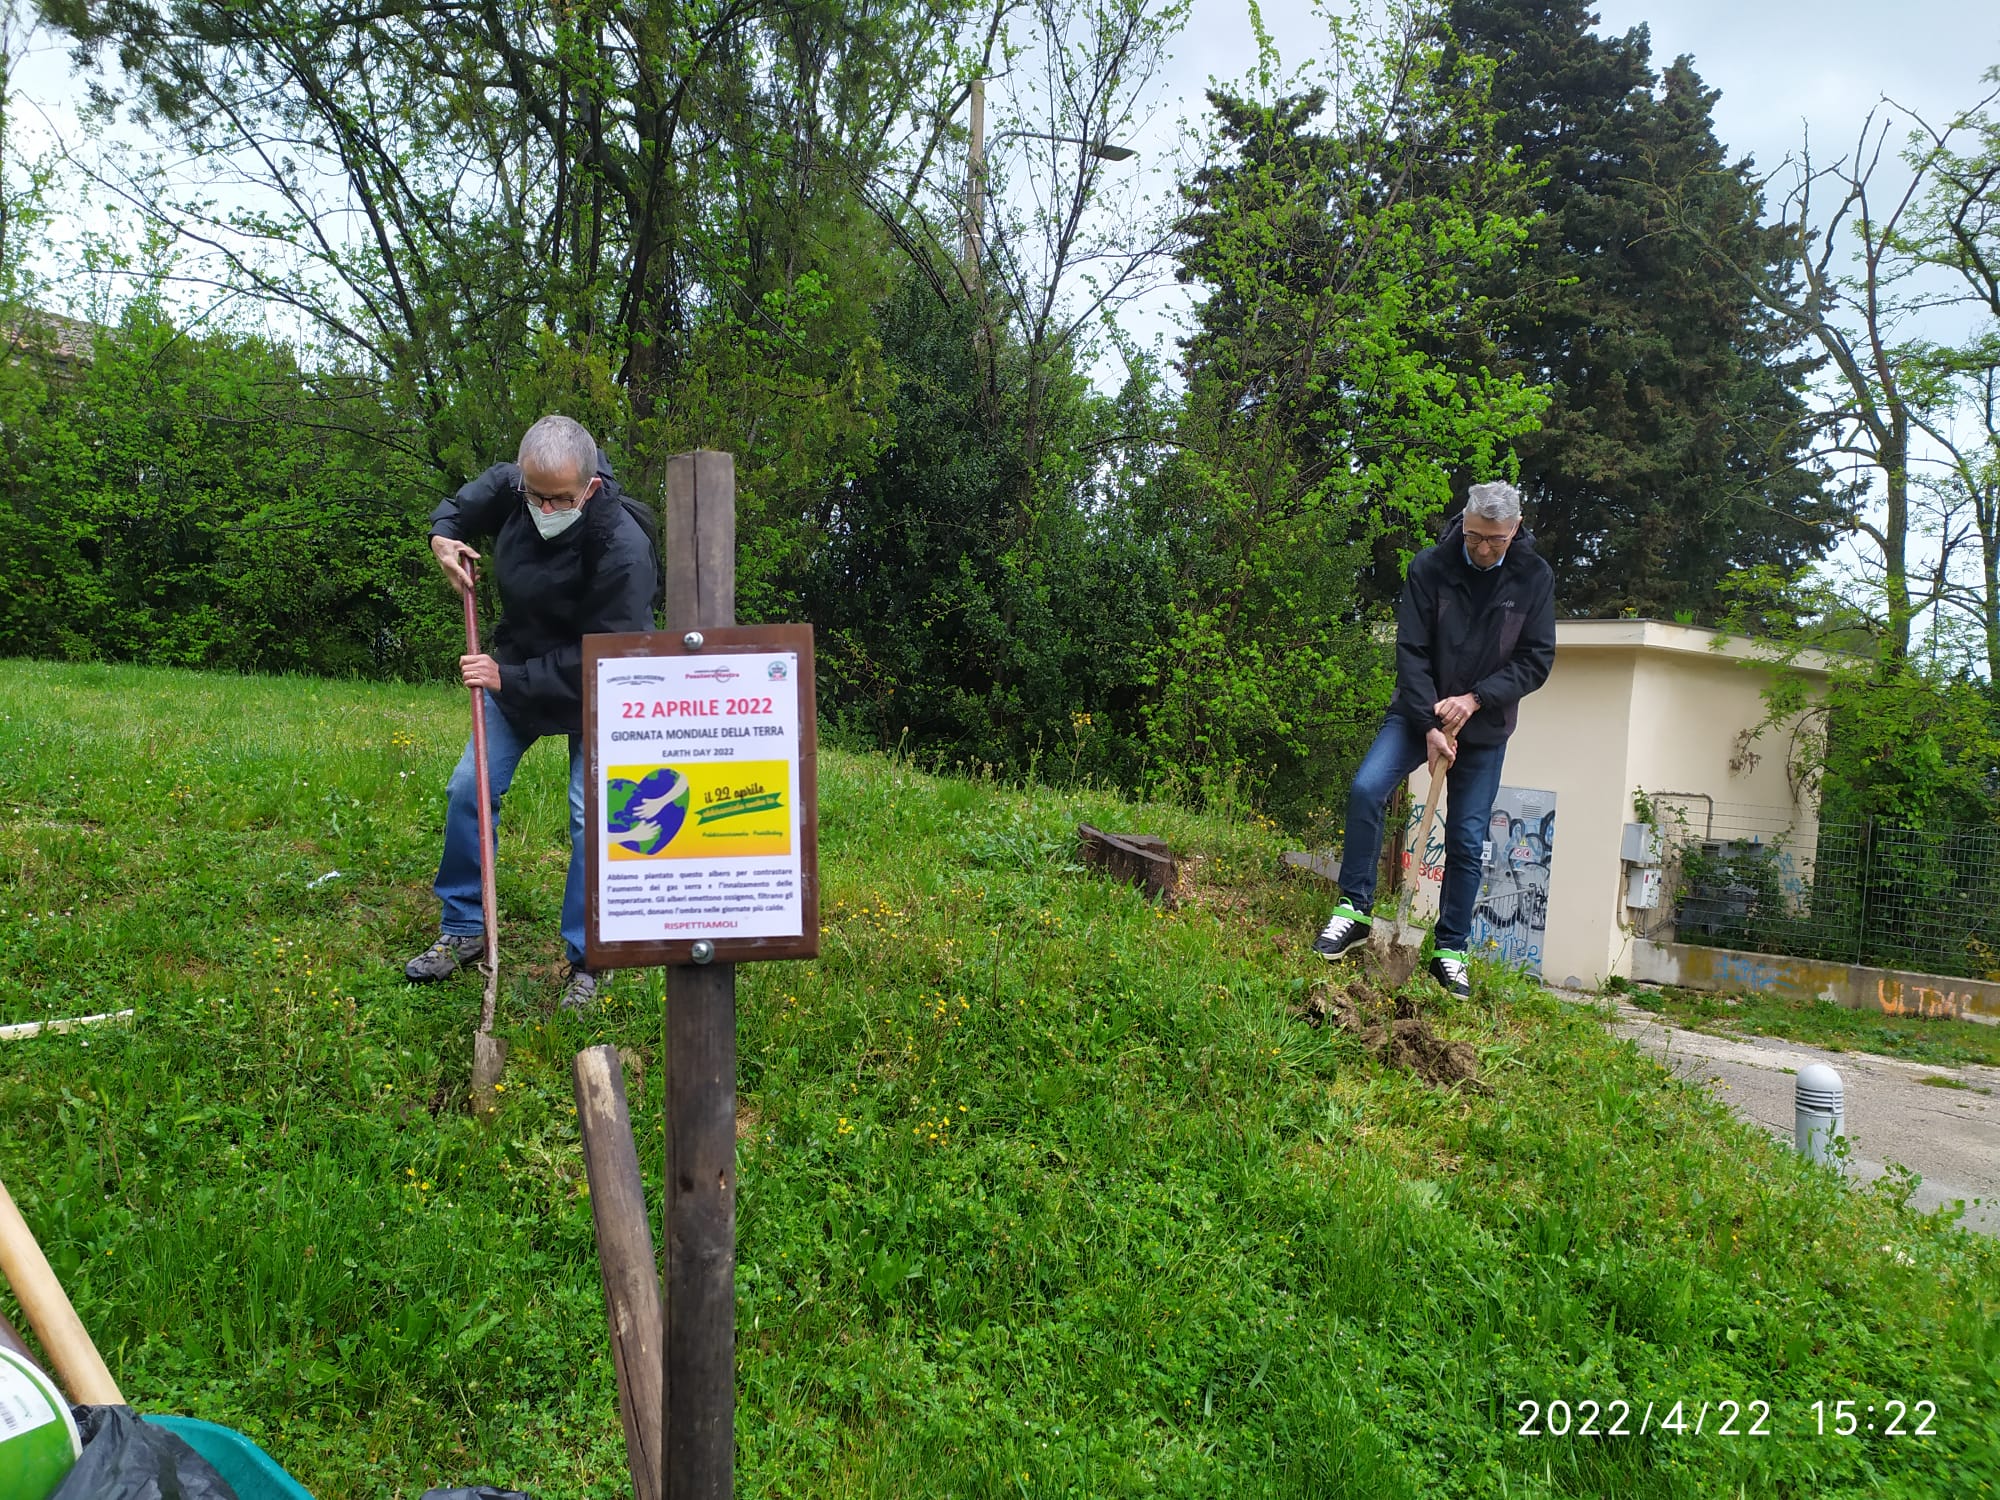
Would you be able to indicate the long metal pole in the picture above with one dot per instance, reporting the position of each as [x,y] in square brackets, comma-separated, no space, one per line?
[700,1215]
[489,1055]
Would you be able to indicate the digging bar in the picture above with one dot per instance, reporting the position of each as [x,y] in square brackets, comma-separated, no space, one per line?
[489,1053]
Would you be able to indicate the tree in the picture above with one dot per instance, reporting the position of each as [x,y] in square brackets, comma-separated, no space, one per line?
[1956,230]
[1676,445]
[1844,283]
[498,208]
[944,625]
[1324,413]
[192,497]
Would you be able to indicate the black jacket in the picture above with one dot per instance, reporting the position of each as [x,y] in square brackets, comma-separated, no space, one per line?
[597,577]
[1503,654]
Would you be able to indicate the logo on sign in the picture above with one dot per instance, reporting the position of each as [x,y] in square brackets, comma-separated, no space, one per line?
[778,671]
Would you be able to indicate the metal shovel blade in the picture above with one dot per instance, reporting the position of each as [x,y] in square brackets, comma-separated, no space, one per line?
[489,1053]
[1397,947]
[489,1062]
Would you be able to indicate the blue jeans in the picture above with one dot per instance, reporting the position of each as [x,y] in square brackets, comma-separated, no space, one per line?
[1470,787]
[457,884]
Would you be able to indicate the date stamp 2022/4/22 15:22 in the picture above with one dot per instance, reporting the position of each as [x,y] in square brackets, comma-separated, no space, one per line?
[1618,1417]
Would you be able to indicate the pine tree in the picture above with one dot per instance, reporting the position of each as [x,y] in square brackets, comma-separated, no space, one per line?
[1675,451]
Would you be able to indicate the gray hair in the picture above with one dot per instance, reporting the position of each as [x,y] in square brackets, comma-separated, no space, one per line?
[1496,500]
[556,445]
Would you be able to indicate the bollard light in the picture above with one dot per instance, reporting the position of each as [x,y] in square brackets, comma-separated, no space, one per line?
[1821,1111]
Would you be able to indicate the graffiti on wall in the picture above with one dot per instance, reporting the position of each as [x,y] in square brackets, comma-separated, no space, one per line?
[1511,918]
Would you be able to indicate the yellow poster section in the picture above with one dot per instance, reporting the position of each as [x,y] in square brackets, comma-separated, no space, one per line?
[733,809]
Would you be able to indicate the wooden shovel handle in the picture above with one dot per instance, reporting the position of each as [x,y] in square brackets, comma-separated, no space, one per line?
[78,1365]
[1415,862]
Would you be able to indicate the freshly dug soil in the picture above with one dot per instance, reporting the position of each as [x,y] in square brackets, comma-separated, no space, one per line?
[1400,1038]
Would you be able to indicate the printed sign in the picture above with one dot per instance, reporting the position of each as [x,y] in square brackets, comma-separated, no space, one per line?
[701,814]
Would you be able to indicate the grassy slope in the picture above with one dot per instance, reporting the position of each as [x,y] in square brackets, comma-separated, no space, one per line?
[1043,1193]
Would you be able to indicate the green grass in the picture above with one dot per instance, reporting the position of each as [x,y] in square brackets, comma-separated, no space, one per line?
[1933,1040]
[1043,1192]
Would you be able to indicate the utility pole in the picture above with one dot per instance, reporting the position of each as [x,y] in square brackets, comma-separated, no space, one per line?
[975,186]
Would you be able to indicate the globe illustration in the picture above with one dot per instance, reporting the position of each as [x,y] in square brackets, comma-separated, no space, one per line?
[644,815]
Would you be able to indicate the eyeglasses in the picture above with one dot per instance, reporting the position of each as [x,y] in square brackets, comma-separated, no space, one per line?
[1488,538]
[555,503]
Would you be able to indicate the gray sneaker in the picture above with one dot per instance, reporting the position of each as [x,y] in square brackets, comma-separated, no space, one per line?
[444,958]
[581,991]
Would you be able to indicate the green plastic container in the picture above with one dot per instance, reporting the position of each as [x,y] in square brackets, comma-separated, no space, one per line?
[39,1444]
[246,1468]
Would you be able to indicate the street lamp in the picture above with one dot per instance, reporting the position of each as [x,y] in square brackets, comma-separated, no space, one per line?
[975,169]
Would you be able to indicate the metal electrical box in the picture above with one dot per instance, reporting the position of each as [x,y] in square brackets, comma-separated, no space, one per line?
[1643,845]
[1642,888]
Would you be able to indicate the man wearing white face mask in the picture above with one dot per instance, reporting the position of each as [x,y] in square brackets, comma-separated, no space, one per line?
[572,556]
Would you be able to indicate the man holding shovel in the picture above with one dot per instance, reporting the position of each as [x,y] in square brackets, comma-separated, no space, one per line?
[1475,634]
[570,558]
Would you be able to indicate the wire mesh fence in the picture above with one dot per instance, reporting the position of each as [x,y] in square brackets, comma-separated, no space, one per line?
[1771,880]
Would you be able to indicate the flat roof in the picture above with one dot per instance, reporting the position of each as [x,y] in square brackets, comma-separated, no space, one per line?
[1666,635]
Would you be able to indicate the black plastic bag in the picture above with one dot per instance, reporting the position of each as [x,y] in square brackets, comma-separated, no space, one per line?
[127,1459]
[477,1492]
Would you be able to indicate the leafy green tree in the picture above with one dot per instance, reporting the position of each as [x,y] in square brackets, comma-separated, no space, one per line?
[1677,444]
[1325,413]
[647,216]
[1956,230]
[945,622]
[197,499]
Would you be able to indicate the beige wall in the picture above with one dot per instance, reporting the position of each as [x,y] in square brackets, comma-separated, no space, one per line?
[1631,704]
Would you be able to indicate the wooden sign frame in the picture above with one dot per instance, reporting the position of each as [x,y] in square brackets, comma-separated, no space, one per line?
[719,640]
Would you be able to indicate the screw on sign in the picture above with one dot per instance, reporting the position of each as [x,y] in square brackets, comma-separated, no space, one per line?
[701,817]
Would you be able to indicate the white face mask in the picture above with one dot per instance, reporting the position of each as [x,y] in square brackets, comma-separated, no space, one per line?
[555,524]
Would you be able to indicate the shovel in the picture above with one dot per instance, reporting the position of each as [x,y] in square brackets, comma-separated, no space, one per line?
[1400,945]
[489,1053]
[77,1363]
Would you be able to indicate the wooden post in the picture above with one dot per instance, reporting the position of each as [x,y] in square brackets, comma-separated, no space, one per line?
[625,1259]
[700,1214]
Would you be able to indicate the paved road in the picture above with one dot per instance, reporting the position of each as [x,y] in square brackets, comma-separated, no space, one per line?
[1949,1136]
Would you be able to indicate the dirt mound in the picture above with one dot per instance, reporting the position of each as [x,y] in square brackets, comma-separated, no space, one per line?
[1402,1039]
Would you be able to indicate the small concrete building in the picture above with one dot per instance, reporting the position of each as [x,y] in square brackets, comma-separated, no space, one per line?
[1632,706]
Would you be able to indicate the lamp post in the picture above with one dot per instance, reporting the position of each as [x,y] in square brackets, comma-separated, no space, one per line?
[975,171]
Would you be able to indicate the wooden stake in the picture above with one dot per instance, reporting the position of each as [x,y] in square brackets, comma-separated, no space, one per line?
[700,1214]
[625,1259]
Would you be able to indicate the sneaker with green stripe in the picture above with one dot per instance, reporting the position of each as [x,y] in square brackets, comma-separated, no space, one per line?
[1345,930]
[1449,969]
